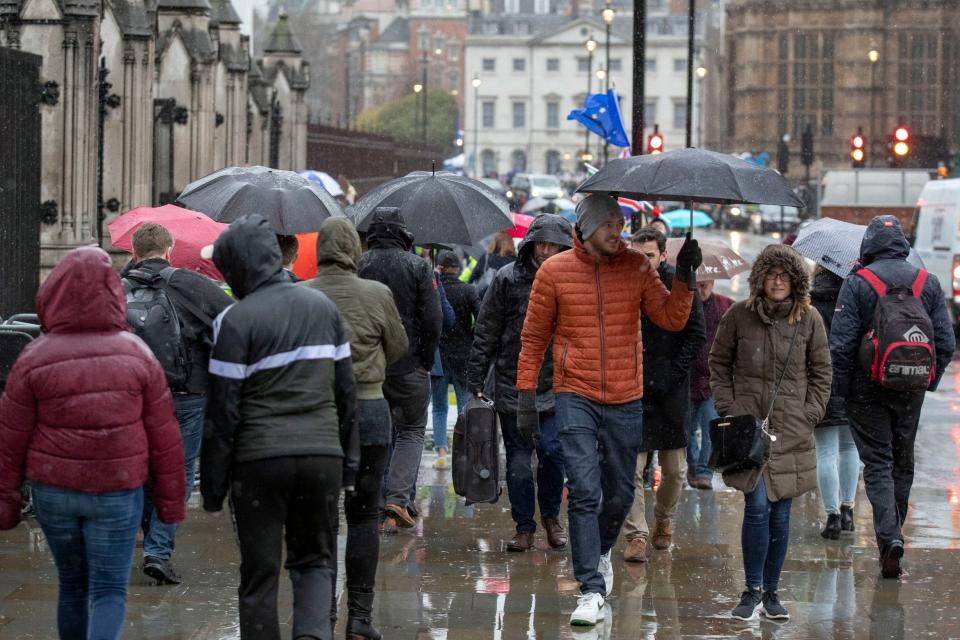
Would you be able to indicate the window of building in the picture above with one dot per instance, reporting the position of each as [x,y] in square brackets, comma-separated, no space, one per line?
[679,65]
[649,113]
[680,114]
[616,64]
[553,162]
[423,40]
[519,160]
[490,64]
[919,79]
[541,6]
[511,6]
[521,28]
[488,114]
[519,115]
[491,28]
[553,115]
[488,162]
[650,65]
[438,41]
[453,80]
[583,64]
[813,81]
[519,64]
[553,64]
[453,51]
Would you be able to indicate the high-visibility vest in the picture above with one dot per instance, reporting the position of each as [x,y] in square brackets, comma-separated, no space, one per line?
[468,270]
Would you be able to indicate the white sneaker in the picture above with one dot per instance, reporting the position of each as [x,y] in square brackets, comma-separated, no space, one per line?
[606,570]
[588,611]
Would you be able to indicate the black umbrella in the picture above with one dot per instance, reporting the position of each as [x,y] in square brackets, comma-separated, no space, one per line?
[439,207]
[692,175]
[289,202]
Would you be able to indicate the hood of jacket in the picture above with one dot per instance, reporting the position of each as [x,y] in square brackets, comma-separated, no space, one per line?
[826,286]
[786,258]
[547,227]
[389,231]
[248,256]
[338,245]
[82,293]
[883,239]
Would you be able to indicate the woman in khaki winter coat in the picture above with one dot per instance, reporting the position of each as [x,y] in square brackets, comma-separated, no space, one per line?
[747,357]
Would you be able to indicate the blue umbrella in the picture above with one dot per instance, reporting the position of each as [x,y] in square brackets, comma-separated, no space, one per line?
[680,218]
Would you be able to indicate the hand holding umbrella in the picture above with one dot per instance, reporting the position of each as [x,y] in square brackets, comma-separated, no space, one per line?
[689,260]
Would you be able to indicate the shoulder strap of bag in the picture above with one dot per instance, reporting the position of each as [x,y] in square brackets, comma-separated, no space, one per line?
[919,283]
[783,372]
[874,281]
[166,273]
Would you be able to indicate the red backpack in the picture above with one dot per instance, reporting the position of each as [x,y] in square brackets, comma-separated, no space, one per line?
[898,351]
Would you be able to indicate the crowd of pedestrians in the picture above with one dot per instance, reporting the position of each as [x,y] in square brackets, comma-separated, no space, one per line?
[596,353]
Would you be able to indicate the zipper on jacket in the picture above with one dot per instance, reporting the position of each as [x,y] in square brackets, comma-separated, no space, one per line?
[603,349]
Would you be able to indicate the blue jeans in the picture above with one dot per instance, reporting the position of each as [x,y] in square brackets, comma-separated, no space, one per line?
[698,452]
[439,390]
[600,446]
[520,487]
[91,537]
[838,466]
[158,537]
[764,538]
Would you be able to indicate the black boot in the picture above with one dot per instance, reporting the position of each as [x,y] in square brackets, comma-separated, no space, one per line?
[360,621]
[832,530]
[846,518]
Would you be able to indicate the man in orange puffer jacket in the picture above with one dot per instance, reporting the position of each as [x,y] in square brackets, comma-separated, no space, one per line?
[588,301]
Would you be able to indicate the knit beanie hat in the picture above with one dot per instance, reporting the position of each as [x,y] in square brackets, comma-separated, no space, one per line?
[593,211]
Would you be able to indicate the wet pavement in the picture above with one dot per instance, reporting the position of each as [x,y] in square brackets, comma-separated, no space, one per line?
[451,578]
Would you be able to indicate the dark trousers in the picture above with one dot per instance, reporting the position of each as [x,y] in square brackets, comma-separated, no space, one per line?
[363,520]
[548,492]
[409,398]
[884,425]
[600,447]
[293,497]
[764,537]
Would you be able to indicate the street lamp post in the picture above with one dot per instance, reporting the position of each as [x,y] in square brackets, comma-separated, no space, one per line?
[476,126]
[873,56]
[608,15]
[591,46]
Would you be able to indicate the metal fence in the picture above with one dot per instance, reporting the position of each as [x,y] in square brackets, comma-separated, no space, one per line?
[19,180]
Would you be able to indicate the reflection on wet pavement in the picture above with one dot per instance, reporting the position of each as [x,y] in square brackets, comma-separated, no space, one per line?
[451,578]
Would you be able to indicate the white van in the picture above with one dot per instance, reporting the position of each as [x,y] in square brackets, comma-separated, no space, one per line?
[937,237]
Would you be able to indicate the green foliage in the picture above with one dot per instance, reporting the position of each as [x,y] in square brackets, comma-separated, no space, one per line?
[401,120]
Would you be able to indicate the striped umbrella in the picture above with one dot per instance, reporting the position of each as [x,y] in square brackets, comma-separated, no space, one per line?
[835,245]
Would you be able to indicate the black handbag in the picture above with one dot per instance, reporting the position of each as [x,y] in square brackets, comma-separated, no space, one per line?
[743,442]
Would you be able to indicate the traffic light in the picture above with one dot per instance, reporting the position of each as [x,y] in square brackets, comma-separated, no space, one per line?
[655,141]
[858,150]
[900,145]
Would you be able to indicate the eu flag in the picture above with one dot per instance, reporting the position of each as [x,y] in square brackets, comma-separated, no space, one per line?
[601,114]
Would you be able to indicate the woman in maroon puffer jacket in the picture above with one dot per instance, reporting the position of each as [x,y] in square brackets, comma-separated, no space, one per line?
[88,416]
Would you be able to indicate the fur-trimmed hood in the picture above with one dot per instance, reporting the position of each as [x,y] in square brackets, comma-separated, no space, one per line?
[787,258]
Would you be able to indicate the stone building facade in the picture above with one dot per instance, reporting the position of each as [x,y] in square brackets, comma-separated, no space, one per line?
[178,94]
[793,63]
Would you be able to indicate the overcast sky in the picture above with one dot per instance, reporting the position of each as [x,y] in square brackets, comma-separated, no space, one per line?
[245,9]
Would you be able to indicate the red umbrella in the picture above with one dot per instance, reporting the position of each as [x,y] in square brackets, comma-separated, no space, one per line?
[521,222]
[191,232]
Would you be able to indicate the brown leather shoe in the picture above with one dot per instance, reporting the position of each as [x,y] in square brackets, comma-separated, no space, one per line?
[662,534]
[522,541]
[556,535]
[704,483]
[636,550]
[401,515]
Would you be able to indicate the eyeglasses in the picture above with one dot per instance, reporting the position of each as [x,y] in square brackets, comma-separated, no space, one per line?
[782,277]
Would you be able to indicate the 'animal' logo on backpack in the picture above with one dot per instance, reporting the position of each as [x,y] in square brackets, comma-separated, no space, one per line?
[914,334]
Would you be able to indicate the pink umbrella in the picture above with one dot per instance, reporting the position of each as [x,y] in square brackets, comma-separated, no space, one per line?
[191,232]
[521,222]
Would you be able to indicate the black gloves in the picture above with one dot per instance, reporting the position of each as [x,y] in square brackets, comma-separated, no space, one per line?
[528,418]
[689,260]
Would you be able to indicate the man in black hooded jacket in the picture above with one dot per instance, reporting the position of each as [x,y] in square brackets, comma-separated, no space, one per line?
[280,431]
[497,342]
[407,387]
[884,422]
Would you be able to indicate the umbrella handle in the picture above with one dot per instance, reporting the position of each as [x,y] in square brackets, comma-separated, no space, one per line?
[692,274]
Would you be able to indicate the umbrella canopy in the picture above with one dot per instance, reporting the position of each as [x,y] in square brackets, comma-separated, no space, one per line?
[325,180]
[521,222]
[438,207]
[692,175]
[289,202]
[680,218]
[720,262]
[191,232]
[835,244]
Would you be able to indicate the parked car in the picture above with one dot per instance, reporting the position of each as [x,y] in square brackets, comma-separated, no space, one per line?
[769,218]
[536,185]
[735,217]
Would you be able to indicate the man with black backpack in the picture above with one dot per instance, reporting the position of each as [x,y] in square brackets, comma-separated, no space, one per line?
[172,310]
[890,341]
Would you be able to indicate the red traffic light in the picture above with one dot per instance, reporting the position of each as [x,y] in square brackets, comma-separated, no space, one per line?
[655,143]
[857,141]
[901,134]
